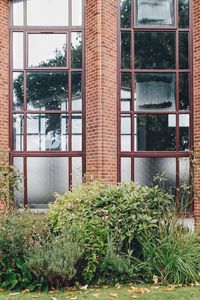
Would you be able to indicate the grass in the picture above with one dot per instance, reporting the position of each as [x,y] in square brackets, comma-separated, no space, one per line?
[123,293]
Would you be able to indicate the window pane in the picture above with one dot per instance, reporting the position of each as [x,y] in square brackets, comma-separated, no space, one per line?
[155,12]
[76,132]
[125,169]
[18,132]
[126,87]
[126,50]
[184,98]
[76,91]
[155,91]
[183,50]
[160,52]
[47,91]
[18,50]
[18,13]
[184,125]
[77,170]
[147,169]
[18,162]
[126,133]
[18,90]
[155,132]
[185,199]
[184,170]
[45,176]
[47,12]
[125,13]
[76,12]
[183,13]
[46,132]
[46,50]
[76,50]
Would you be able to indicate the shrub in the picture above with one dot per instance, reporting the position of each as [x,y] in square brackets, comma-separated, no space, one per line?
[173,255]
[99,211]
[9,180]
[56,259]
[18,231]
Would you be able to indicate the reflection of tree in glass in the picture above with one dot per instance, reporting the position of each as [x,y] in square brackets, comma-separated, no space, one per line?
[183,13]
[125,13]
[49,90]
[76,50]
[155,134]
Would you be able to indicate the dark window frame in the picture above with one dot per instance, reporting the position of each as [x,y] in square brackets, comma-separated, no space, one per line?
[68,69]
[156,154]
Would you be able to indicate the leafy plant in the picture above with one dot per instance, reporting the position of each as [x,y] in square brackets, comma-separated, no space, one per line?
[56,259]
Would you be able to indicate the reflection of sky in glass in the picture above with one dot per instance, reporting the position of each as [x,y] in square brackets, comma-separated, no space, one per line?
[43,47]
[76,12]
[76,170]
[47,12]
[18,12]
[18,50]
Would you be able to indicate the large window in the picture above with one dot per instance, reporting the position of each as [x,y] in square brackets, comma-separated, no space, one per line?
[156,96]
[47,97]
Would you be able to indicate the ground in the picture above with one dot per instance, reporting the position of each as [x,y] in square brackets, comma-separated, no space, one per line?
[122,293]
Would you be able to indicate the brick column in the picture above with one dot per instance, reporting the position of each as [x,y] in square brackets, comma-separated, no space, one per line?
[101,89]
[196,41]
[4,75]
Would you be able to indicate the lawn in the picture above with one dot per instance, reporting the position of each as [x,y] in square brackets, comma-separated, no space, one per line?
[122,293]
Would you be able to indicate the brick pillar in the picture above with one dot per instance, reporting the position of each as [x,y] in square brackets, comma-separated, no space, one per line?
[4,75]
[196,41]
[101,89]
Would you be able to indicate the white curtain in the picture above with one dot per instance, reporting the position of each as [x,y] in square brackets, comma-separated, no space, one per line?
[157,11]
[156,93]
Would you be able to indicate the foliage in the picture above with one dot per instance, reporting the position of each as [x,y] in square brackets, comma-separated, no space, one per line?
[101,210]
[56,259]
[9,180]
[173,255]
[18,231]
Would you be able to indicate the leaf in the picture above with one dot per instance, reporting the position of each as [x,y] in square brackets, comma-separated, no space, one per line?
[53,298]
[155,279]
[96,295]
[114,295]
[13,294]
[26,291]
[168,289]
[134,297]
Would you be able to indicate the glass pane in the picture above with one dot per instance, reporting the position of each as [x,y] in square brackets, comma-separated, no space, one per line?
[155,12]
[77,170]
[125,13]
[148,170]
[18,132]
[126,87]
[76,132]
[155,50]
[47,50]
[155,91]
[18,162]
[46,132]
[76,50]
[47,13]
[185,188]
[18,90]
[18,13]
[155,132]
[125,169]
[126,50]
[126,133]
[183,13]
[47,91]
[184,98]
[18,50]
[76,91]
[184,125]
[45,176]
[76,12]
[183,50]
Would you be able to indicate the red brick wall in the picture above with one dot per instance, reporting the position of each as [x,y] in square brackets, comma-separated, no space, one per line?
[4,77]
[101,89]
[196,41]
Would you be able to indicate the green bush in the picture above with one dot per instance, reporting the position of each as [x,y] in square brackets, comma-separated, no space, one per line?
[173,255]
[56,259]
[100,210]
[18,231]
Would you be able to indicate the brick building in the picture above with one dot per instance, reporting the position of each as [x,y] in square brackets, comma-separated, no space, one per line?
[105,87]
